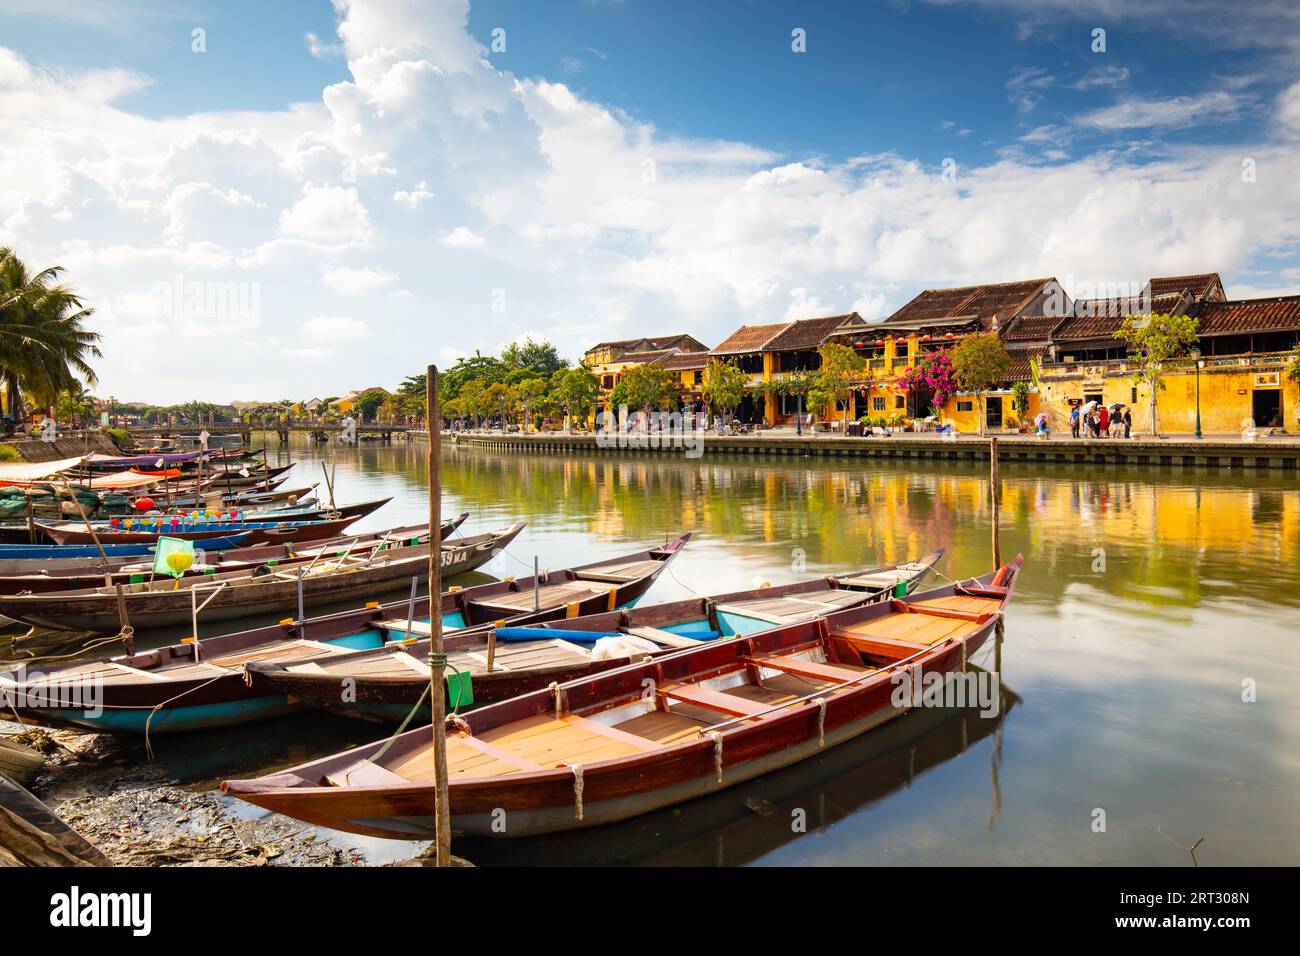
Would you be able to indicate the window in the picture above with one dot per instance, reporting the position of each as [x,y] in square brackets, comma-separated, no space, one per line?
[699,378]
[1134,399]
[965,406]
[900,401]
[878,403]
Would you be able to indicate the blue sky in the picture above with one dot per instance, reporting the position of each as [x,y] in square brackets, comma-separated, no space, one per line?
[378,172]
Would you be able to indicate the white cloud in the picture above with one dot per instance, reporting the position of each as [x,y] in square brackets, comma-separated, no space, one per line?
[1176,111]
[349,281]
[334,329]
[598,221]
[329,215]
[462,238]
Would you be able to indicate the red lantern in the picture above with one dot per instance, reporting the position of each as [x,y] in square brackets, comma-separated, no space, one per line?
[925,338]
[143,504]
[947,335]
[880,341]
[859,345]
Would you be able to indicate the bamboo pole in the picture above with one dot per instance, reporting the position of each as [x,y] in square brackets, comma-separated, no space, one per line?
[437,660]
[995,492]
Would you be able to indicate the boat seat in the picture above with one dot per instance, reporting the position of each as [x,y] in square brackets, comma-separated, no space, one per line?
[364,773]
[802,667]
[664,638]
[728,704]
[619,573]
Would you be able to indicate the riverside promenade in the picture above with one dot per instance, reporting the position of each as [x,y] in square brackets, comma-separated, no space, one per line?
[1213,451]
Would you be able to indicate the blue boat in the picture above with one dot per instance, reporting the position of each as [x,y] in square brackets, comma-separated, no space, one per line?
[53,552]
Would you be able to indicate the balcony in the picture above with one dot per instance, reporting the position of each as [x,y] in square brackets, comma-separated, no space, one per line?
[1098,368]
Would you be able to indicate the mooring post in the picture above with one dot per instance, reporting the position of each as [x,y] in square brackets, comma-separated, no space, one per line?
[437,659]
[995,492]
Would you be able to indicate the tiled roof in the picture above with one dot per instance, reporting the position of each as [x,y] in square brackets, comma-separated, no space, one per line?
[685,360]
[1004,299]
[1199,286]
[1021,370]
[1280,314]
[749,338]
[1032,328]
[644,358]
[808,333]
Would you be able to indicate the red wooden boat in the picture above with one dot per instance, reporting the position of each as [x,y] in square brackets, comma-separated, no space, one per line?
[622,743]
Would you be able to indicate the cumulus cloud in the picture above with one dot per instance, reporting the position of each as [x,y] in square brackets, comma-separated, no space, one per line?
[600,222]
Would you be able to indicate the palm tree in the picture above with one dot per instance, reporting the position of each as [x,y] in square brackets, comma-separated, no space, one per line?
[44,345]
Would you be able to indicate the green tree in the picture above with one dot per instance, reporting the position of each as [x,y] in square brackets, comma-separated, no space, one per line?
[44,346]
[500,399]
[979,361]
[798,383]
[533,356]
[576,389]
[368,403]
[840,366]
[530,392]
[724,387]
[643,387]
[1156,341]
[1020,400]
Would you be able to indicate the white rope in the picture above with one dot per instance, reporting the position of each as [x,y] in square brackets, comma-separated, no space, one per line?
[821,721]
[577,789]
[717,754]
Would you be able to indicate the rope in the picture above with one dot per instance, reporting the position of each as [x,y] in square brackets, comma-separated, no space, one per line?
[577,789]
[401,729]
[669,568]
[821,721]
[717,753]
[88,647]
[148,747]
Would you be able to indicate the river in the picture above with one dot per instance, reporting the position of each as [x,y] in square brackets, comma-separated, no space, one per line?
[1152,601]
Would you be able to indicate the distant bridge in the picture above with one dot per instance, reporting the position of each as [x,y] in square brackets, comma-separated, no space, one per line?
[245,431]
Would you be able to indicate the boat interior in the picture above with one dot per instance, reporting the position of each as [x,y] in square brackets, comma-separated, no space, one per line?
[716,686]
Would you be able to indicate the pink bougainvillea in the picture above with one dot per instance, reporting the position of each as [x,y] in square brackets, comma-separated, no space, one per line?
[933,373]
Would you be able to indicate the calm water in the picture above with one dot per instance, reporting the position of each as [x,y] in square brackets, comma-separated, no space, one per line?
[1147,598]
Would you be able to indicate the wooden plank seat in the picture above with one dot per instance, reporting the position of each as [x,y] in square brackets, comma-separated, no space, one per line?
[364,773]
[663,638]
[280,651]
[951,613]
[552,595]
[398,626]
[802,667]
[619,573]
[724,703]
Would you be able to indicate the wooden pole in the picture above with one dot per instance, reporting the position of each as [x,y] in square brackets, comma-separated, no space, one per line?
[437,660]
[995,493]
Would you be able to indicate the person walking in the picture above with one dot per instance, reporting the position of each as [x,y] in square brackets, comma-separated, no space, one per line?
[1128,423]
[1104,422]
[1074,422]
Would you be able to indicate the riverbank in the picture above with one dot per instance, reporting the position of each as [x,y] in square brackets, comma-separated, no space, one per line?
[1222,452]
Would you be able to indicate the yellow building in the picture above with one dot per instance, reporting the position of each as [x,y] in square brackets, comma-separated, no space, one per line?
[608,360]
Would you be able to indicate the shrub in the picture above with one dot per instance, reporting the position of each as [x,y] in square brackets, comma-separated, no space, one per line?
[10,453]
[120,436]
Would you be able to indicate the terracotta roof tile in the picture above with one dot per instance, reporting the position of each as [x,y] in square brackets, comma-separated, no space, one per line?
[1004,299]
[808,333]
[1199,285]
[685,360]
[749,338]
[1280,314]
[1032,328]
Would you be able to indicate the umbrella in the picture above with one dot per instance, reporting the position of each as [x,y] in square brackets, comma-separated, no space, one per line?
[1089,406]
[1114,405]
[1042,417]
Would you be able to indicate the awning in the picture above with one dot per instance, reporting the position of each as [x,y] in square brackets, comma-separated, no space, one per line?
[19,473]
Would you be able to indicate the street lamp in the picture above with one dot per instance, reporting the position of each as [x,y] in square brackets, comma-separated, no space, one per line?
[1196,358]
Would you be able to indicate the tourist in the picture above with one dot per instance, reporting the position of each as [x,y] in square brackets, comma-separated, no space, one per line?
[1074,422]
[1103,422]
[1128,423]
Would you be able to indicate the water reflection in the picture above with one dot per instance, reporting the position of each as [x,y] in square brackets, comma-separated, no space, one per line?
[1148,597]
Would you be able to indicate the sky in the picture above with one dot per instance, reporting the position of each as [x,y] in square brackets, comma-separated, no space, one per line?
[295,200]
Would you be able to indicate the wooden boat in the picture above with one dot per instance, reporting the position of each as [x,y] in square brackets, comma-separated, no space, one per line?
[36,558]
[137,570]
[386,682]
[184,689]
[335,574]
[56,559]
[73,532]
[32,835]
[648,735]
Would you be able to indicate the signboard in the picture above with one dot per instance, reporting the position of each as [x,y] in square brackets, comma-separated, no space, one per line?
[1267,379]
[1074,402]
